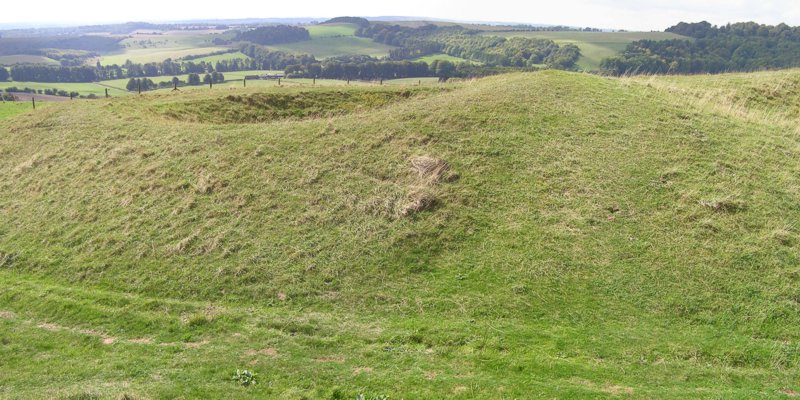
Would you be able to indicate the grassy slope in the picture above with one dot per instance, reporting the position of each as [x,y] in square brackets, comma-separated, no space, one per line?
[335,40]
[595,46]
[605,238]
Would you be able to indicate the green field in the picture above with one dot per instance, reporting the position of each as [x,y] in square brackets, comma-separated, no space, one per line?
[595,46]
[145,48]
[9,109]
[97,89]
[26,59]
[331,30]
[441,57]
[220,57]
[335,40]
[529,235]
[233,80]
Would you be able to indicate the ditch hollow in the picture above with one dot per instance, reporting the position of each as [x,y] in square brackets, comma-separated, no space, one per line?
[267,107]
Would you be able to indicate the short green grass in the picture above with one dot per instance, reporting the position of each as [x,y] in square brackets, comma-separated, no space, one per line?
[333,46]
[9,108]
[331,30]
[595,46]
[592,238]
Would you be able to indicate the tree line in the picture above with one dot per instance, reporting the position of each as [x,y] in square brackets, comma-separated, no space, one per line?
[712,49]
[278,34]
[472,45]
[147,84]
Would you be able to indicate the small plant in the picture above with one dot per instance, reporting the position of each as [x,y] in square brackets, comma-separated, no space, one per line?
[245,377]
[361,396]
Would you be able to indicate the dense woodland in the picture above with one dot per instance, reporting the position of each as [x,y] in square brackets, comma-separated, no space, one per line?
[471,45]
[362,22]
[712,49]
[266,35]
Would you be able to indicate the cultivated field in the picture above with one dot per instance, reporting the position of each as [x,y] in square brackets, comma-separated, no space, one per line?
[539,235]
[148,47]
[595,46]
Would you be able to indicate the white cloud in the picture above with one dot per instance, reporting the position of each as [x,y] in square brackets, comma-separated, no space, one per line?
[627,14]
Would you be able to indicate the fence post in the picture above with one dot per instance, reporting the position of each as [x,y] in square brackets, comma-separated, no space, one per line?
[314,82]
[244,81]
[381,81]
[33,100]
[70,95]
[279,81]
[106,92]
[348,81]
[139,81]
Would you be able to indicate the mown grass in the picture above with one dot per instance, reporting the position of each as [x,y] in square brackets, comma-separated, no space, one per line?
[8,109]
[592,238]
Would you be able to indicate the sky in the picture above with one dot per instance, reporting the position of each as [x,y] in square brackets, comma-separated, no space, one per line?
[611,14]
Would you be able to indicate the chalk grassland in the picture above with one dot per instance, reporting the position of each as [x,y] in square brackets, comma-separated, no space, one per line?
[595,46]
[26,59]
[541,235]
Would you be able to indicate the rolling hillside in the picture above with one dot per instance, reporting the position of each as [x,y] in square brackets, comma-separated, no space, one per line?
[595,46]
[539,235]
[334,40]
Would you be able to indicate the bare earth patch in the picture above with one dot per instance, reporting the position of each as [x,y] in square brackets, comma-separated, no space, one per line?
[141,341]
[617,390]
[7,315]
[790,393]
[362,370]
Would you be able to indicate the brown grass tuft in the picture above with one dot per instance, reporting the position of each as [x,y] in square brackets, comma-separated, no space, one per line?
[726,205]
[430,169]
[418,200]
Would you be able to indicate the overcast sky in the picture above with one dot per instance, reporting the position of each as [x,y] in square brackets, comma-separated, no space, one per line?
[618,14]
